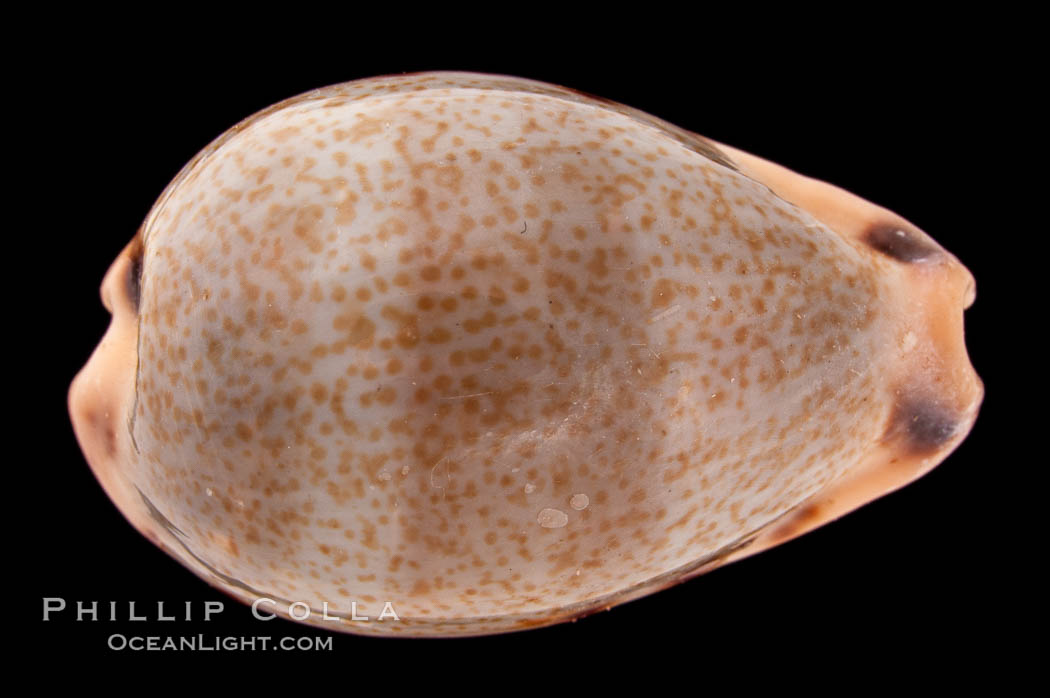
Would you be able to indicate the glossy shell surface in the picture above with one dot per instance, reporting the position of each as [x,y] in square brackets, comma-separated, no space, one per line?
[500,354]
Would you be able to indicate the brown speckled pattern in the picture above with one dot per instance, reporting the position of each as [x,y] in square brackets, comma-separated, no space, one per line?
[501,354]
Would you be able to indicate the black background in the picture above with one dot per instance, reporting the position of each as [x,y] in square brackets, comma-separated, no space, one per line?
[904,121]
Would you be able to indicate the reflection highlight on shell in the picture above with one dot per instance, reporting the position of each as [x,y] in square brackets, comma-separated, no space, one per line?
[502,354]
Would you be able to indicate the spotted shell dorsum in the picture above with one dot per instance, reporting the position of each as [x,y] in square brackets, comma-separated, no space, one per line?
[492,354]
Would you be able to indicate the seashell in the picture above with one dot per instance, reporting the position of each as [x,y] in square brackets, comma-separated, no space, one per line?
[491,354]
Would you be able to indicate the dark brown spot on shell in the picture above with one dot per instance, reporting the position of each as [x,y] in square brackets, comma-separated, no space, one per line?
[924,424]
[103,427]
[134,281]
[798,520]
[899,243]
